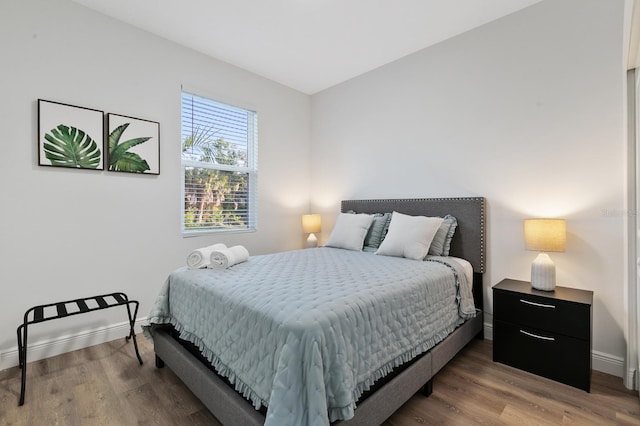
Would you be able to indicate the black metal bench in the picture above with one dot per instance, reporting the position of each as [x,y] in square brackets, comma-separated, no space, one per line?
[44,313]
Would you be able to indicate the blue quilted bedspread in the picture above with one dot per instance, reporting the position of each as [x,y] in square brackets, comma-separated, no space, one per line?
[306,332]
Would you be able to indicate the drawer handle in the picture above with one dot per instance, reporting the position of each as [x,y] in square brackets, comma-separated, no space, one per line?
[538,337]
[541,305]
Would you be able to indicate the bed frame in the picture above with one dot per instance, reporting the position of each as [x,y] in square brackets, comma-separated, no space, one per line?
[230,408]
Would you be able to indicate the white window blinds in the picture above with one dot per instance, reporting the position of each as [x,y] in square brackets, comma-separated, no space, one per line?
[219,162]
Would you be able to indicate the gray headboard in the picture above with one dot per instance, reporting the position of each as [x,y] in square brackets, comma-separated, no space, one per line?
[469,239]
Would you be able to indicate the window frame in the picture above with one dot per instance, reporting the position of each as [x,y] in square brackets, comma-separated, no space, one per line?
[250,169]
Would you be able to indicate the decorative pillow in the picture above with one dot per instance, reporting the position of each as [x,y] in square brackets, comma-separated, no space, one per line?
[452,230]
[378,229]
[349,231]
[409,236]
[441,244]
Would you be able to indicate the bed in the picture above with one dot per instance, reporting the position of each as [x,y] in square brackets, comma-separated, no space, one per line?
[304,357]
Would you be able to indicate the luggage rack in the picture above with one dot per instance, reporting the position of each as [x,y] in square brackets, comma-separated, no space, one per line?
[42,313]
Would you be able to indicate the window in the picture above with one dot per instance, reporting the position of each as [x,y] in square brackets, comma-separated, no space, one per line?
[219,164]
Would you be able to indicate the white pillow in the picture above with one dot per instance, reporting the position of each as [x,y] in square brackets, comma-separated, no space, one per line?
[409,236]
[349,231]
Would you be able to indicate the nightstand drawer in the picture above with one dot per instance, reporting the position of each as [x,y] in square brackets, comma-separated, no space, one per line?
[555,356]
[542,313]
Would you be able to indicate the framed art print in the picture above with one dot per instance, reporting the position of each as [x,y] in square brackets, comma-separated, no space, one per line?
[70,136]
[133,145]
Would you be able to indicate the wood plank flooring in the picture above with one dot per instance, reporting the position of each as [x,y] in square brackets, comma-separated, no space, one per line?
[105,385]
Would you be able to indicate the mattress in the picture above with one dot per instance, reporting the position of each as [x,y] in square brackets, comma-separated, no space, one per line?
[305,333]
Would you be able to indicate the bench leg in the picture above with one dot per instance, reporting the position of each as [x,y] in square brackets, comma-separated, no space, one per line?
[19,332]
[132,322]
[135,345]
[22,359]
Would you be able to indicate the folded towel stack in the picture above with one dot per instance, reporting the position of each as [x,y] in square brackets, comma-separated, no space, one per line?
[201,258]
[226,257]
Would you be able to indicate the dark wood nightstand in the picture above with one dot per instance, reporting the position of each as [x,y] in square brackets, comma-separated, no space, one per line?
[544,332]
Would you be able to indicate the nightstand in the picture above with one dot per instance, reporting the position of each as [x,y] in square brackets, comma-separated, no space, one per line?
[547,333]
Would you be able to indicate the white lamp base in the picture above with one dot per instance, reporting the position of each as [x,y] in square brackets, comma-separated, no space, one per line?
[543,273]
[312,241]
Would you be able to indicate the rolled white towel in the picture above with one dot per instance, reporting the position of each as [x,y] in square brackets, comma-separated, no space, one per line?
[200,258]
[224,258]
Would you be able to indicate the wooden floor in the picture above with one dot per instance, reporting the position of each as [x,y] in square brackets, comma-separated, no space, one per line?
[105,385]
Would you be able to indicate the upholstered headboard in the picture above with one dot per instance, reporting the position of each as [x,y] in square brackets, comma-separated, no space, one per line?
[469,239]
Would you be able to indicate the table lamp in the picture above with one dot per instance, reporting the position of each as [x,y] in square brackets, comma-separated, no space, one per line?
[311,225]
[544,235]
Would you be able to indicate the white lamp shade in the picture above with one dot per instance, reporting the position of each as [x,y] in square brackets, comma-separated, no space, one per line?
[311,223]
[545,234]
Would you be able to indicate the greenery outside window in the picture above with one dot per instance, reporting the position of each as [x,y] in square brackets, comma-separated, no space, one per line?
[219,165]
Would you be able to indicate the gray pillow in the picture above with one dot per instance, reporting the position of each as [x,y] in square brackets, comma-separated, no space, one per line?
[378,230]
[441,244]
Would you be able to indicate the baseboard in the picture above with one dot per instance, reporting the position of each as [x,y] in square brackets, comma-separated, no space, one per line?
[607,363]
[48,348]
[488,330]
[600,361]
[632,380]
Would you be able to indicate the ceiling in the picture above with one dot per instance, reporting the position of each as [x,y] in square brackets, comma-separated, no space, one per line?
[308,45]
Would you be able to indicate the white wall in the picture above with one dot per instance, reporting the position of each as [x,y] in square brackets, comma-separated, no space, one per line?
[526,111]
[67,233]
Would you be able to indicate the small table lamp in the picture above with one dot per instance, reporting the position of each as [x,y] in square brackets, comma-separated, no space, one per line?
[311,225]
[544,235]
